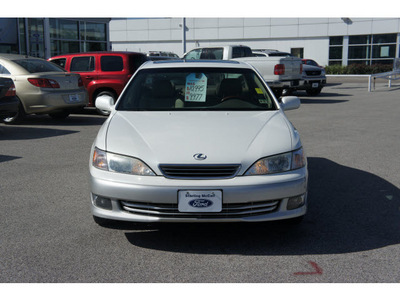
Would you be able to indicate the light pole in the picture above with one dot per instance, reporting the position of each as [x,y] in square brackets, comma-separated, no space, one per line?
[184,35]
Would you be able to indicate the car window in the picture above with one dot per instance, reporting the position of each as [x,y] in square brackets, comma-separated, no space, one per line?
[212,53]
[280,54]
[33,65]
[205,53]
[3,70]
[82,64]
[241,52]
[135,61]
[60,62]
[194,54]
[312,63]
[111,63]
[196,89]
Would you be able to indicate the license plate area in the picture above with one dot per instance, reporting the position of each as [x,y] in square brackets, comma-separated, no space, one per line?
[315,84]
[74,98]
[200,201]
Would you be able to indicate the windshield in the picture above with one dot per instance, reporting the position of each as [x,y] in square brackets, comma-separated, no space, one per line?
[196,89]
[38,65]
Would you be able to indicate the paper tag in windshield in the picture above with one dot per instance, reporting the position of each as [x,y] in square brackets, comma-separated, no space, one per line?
[259,91]
[196,87]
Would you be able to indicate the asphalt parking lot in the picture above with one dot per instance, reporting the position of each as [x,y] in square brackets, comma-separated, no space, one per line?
[350,234]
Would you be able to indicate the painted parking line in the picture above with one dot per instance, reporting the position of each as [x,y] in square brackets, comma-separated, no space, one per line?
[317,270]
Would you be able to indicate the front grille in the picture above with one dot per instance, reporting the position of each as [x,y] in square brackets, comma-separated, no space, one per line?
[199,171]
[313,73]
[229,211]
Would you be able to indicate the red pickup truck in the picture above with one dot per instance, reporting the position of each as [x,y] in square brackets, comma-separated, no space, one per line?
[103,72]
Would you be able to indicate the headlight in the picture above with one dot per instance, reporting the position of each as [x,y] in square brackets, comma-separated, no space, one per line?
[120,164]
[298,159]
[278,163]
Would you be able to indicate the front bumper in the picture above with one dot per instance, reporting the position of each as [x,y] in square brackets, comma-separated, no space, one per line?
[286,84]
[155,198]
[312,83]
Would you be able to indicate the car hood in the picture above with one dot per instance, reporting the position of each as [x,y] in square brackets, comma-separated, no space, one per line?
[175,137]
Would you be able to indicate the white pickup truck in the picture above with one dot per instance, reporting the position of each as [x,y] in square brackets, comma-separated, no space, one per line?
[281,73]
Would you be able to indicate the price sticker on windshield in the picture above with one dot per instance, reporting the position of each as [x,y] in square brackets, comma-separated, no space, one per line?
[196,87]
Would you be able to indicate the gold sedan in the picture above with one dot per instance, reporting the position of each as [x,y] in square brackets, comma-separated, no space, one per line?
[42,87]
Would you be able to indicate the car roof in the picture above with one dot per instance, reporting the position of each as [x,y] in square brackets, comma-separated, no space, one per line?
[218,46]
[8,60]
[195,64]
[97,53]
[8,56]
[310,67]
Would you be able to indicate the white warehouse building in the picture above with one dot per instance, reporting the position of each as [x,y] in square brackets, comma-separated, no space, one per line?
[329,41]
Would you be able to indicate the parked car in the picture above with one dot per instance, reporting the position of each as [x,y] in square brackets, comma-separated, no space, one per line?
[153,58]
[282,73]
[271,53]
[162,53]
[8,98]
[103,72]
[314,79]
[311,62]
[199,141]
[42,87]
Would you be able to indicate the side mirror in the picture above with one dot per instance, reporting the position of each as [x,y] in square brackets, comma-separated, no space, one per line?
[290,102]
[105,103]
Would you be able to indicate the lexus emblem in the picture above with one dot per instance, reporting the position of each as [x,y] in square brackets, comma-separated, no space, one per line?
[199,156]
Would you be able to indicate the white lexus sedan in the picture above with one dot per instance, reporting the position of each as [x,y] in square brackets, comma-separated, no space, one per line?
[197,141]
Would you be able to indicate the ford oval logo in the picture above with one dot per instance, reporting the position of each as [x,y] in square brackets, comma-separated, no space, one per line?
[201,203]
[200,156]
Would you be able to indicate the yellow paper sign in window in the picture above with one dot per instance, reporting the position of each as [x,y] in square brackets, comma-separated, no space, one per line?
[259,91]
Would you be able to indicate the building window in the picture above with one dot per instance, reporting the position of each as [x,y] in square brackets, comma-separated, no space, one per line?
[298,52]
[36,37]
[359,39]
[87,47]
[22,36]
[63,29]
[335,50]
[8,35]
[384,38]
[63,47]
[359,52]
[94,32]
[336,41]
[383,51]
[372,49]
[71,36]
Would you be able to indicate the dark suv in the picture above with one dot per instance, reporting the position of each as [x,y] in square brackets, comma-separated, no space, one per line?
[102,72]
